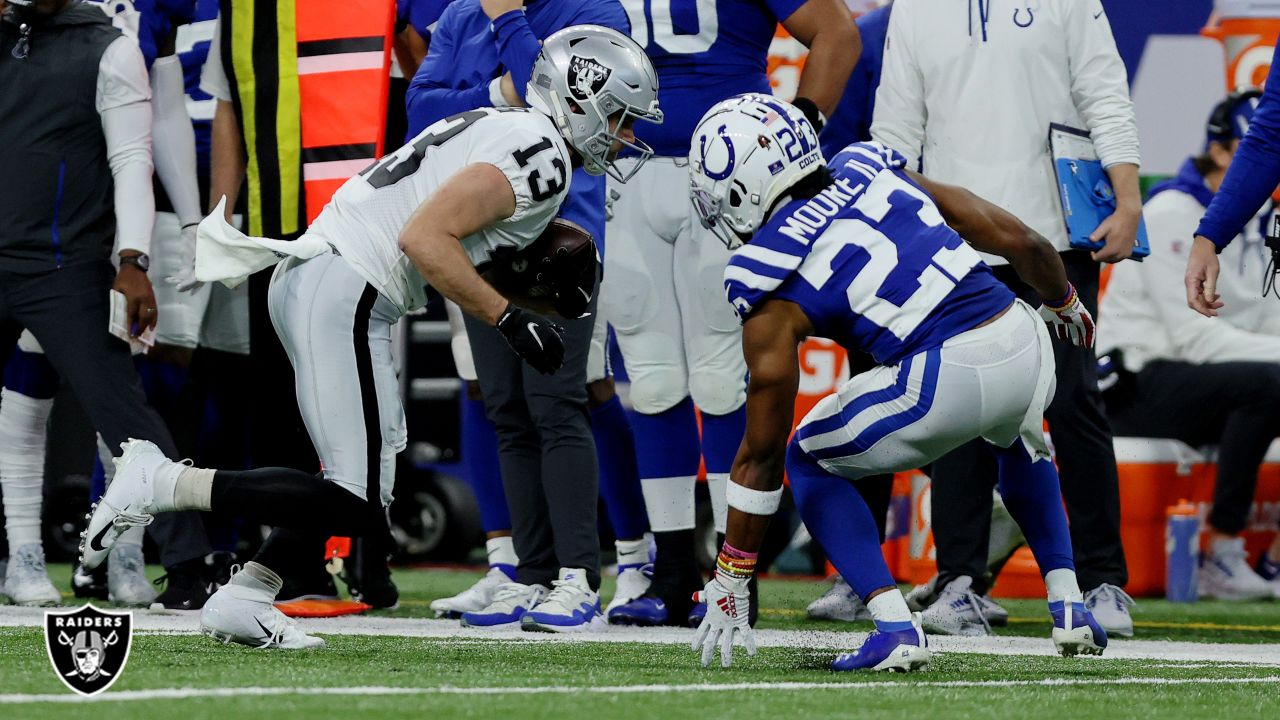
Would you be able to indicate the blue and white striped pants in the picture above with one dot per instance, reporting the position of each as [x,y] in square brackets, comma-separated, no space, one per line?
[992,382]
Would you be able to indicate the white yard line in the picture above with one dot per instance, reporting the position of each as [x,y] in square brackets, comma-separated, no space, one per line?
[187,622]
[374,690]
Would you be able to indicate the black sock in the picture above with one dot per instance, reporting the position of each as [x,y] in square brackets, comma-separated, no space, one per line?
[287,498]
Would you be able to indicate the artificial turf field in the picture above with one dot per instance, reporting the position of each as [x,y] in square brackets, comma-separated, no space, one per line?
[1211,660]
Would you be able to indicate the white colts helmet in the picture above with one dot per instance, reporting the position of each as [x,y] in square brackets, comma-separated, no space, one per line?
[746,153]
[584,75]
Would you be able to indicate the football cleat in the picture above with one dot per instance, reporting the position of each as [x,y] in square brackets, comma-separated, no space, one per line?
[187,586]
[1076,632]
[244,615]
[839,602]
[571,606]
[511,601]
[957,611]
[898,651]
[645,611]
[127,578]
[475,598]
[1110,605]
[126,503]
[696,614]
[633,582]
[26,580]
[1225,573]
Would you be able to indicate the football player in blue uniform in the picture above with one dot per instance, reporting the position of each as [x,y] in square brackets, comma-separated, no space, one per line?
[679,341]
[871,255]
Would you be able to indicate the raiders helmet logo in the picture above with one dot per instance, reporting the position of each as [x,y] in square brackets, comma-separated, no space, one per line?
[586,77]
[88,647]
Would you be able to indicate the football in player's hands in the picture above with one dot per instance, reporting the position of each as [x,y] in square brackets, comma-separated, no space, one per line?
[554,274]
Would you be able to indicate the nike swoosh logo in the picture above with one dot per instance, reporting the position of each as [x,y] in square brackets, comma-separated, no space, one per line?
[265,631]
[1095,17]
[533,330]
[95,543]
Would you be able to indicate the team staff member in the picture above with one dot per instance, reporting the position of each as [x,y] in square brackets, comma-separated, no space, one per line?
[71,148]
[1039,63]
[1253,176]
[481,55]
[1179,375]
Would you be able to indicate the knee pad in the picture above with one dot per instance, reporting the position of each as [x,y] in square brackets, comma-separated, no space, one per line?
[657,390]
[717,393]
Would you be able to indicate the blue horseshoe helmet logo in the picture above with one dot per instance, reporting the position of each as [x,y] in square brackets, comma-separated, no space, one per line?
[1031,17]
[728,168]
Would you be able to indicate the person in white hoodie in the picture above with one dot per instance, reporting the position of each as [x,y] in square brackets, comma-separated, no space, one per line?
[968,90]
[1171,373]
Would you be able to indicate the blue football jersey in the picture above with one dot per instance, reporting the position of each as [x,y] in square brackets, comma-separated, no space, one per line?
[193,48]
[704,51]
[870,261]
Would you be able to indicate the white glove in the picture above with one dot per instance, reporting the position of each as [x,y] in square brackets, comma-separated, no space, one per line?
[1071,321]
[185,280]
[727,602]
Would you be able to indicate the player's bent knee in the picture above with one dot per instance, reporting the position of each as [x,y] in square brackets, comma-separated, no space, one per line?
[653,392]
[717,394]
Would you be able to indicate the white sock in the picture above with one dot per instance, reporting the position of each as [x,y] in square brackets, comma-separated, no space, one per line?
[669,502]
[192,488]
[717,485]
[889,607]
[501,551]
[257,576]
[23,436]
[632,552]
[1062,585]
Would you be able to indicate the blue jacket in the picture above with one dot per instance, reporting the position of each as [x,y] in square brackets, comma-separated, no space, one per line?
[851,121]
[1254,172]
[467,52]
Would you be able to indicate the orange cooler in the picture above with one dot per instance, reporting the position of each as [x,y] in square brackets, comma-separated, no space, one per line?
[1247,30]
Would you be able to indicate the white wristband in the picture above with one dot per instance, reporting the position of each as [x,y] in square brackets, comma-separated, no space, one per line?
[495,94]
[753,502]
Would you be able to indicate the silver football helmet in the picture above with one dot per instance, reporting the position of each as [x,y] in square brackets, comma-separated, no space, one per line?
[586,74]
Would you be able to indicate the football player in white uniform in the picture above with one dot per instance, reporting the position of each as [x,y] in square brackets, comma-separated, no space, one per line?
[432,212]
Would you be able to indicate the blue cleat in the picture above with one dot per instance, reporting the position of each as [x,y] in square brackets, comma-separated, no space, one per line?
[645,611]
[696,613]
[510,603]
[571,606]
[1076,633]
[899,650]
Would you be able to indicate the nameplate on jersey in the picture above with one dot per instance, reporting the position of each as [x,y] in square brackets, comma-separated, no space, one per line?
[809,220]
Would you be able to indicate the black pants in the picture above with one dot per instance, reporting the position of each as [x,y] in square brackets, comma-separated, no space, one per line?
[546,451]
[67,311]
[963,479]
[1234,405]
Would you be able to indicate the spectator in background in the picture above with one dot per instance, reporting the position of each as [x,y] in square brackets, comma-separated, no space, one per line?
[1182,376]
[1055,62]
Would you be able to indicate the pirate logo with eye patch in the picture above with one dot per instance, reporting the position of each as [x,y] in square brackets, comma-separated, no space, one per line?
[88,647]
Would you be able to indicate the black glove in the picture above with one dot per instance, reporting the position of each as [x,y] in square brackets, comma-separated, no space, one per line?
[572,278]
[811,112]
[536,339]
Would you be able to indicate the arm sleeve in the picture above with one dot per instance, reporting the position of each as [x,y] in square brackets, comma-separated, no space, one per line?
[782,9]
[122,95]
[1099,84]
[1254,171]
[518,47]
[429,97]
[174,140]
[213,79]
[900,114]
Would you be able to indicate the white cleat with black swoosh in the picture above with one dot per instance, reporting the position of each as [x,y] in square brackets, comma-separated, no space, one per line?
[246,615]
[126,503]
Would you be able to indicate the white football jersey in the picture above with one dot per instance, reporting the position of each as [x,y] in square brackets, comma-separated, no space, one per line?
[364,219]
